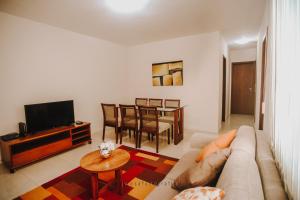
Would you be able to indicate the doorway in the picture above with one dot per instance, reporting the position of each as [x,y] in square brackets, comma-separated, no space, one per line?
[243,88]
[224,91]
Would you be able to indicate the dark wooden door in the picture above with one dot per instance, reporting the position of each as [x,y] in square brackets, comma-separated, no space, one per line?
[243,88]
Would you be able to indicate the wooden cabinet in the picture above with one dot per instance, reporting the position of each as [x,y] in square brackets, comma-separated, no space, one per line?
[21,151]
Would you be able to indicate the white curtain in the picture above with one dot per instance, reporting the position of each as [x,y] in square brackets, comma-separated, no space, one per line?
[286,130]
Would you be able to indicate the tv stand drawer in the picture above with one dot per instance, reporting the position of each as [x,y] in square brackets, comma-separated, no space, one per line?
[32,155]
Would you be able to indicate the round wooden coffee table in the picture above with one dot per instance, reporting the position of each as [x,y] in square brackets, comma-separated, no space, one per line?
[93,163]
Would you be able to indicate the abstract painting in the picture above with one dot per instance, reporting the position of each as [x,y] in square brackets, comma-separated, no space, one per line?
[167,74]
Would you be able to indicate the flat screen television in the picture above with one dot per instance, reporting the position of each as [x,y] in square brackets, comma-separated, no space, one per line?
[45,116]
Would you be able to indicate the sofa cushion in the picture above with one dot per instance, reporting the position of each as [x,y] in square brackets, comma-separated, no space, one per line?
[163,191]
[201,174]
[271,182]
[184,163]
[263,149]
[245,141]
[240,177]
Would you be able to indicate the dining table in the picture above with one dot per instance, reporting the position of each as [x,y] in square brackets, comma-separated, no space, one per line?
[178,125]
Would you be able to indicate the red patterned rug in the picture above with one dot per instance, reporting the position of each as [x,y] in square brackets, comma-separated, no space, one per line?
[141,175]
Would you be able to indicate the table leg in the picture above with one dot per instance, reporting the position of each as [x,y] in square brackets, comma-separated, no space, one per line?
[181,123]
[175,130]
[95,185]
[119,181]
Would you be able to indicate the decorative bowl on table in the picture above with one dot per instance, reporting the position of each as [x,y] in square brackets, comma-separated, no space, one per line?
[106,149]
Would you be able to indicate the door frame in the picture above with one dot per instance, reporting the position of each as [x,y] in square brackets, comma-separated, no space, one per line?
[262,84]
[255,70]
[224,86]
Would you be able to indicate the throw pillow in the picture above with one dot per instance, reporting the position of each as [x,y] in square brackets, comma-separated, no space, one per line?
[200,193]
[201,174]
[223,141]
[207,150]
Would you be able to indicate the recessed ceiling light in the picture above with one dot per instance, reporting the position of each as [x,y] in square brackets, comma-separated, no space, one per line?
[126,6]
[244,40]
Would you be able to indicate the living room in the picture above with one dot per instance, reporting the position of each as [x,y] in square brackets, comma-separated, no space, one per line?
[98,52]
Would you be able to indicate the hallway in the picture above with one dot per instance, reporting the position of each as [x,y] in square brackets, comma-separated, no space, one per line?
[235,121]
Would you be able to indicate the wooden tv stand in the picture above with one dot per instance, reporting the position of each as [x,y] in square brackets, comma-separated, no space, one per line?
[22,151]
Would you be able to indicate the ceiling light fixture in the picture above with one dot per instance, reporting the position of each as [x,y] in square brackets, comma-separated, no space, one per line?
[126,6]
[243,40]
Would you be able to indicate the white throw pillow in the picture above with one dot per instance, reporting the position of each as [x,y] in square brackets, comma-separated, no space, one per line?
[201,193]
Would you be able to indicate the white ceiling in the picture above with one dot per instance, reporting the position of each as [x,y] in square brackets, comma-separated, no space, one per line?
[161,19]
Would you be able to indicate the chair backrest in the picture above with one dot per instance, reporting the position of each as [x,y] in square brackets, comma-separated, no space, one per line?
[148,118]
[110,112]
[172,103]
[128,116]
[156,102]
[141,101]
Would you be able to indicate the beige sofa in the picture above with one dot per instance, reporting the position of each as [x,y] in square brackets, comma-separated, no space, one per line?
[250,172]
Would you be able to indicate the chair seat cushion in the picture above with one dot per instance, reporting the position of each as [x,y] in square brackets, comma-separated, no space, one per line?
[162,126]
[168,119]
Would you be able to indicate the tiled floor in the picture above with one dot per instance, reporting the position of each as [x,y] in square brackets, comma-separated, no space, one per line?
[31,176]
[235,121]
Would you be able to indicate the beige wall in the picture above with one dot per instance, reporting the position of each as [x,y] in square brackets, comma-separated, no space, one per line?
[201,55]
[40,63]
[243,55]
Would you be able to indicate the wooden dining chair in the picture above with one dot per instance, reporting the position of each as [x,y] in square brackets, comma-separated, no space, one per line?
[169,116]
[149,123]
[156,102]
[110,118]
[129,121]
[141,101]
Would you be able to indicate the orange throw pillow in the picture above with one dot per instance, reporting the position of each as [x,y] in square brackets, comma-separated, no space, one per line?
[207,150]
[224,140]
[221,142]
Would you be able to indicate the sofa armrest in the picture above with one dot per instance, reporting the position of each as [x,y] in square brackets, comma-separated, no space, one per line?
[199,140]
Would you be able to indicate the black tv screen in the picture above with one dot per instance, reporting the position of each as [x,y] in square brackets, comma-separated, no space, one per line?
[45,116]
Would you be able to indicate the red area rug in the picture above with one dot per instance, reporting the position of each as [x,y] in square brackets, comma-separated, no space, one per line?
[141,175]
